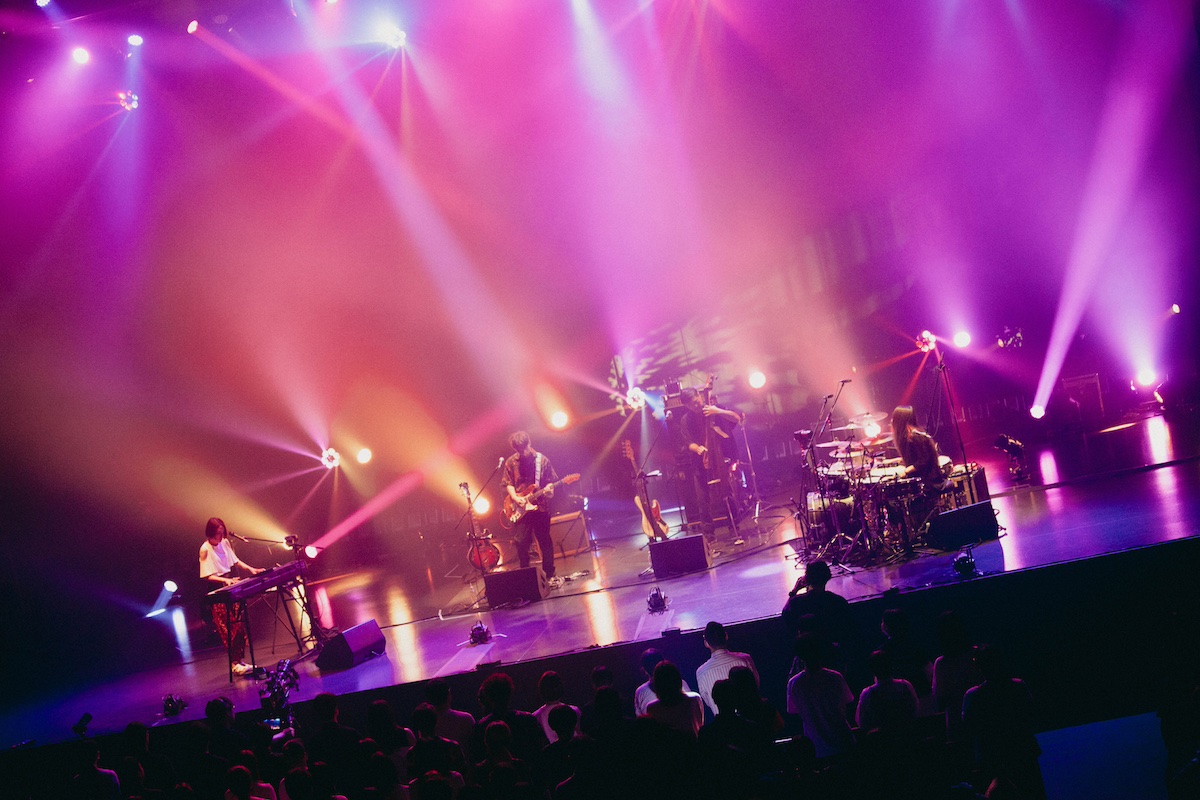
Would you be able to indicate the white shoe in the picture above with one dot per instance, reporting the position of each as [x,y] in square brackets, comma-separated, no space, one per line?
[554,582]
[242,668]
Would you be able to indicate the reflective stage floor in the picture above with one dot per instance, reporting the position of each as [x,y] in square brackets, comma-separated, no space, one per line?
[1088,496]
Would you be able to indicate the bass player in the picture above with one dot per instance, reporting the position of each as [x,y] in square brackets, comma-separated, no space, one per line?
[527,471]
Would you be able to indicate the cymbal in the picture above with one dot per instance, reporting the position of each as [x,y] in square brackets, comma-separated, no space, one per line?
[834,443]
[887,462]
[878,440]
[850,427]
[870,416]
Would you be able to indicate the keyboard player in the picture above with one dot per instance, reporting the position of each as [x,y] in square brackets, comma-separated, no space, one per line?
[220,566]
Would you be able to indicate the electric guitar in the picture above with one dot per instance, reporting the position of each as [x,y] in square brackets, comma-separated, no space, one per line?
[530,494]
[653,524]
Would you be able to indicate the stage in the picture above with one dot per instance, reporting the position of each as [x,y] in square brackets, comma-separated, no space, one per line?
[1089,496]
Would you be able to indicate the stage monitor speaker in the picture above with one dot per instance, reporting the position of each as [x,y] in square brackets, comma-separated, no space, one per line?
[962,526]
[514,586]
[352,647]
[678,556]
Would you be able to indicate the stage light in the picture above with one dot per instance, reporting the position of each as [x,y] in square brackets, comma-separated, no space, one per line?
[872,429]
[480,634]
[636,398]
[1146,377]
[756,379]
[330,458]
[193,26]
[559,420]
[135,40]
[173,705]
[171,586]
[43,3]
[391,35]
[80,55]
[128,100]
[1037,412]
[481,506]
[364,455]
[925,341]
[311,552]
[1010,338]
[964,564]
[657,602]
[962,339]
[1174,308]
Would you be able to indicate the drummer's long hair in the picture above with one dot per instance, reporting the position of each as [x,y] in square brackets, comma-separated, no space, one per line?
[904,422]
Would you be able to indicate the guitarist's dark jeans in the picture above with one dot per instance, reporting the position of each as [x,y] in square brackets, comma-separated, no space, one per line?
[536,524]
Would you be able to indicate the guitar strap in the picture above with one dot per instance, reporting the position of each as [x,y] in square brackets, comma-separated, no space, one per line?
[537,470]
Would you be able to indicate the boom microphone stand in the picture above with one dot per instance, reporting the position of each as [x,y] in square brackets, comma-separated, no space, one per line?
[942,376]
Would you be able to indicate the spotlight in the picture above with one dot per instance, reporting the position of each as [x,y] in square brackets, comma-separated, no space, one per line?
[925,341]
[636,398]
[1037,412]
[1010,338]
[43,3]
[392,36]
[1174,308]
[193,26]
[311,552]
[962,339]
[173,705]
[559,420]
[481,506]
[872,429]
[1146,377]
[80,55]
[135,40]
[657,602]
[364,455]
[756,379]
[1016,456]
[171,586]
[128,100]
[964,564]
[330,458]
[480,634]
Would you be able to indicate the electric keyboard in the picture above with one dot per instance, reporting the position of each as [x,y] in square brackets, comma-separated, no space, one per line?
[257,584]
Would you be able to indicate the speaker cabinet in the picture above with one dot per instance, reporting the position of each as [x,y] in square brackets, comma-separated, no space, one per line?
[962,526]
[569,532]
[513,586]
[678,556]
[352,647]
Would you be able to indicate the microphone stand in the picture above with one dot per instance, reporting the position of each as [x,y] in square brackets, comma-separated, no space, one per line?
[942,376]
[822,485]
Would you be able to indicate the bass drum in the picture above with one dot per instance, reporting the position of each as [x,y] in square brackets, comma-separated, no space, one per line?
[819,508]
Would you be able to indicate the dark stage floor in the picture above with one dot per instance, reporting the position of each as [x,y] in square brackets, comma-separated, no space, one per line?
[1089,495]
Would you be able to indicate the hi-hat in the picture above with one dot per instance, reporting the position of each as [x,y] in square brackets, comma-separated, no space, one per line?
[871,416]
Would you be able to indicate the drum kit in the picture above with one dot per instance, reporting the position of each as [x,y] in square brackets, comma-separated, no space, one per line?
[860,507]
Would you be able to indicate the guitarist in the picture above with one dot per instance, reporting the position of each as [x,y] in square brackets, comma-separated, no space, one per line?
[525,471]
[705,447]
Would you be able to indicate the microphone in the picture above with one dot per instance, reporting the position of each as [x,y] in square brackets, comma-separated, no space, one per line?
[827,397]
[847,380]
[233,535]
[501,465]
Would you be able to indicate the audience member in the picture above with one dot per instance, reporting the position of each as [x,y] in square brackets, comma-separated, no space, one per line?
[998,715]
[751,704]
[733,750]
[452,724]
[888,705]
[500,768]
[495,695]
[815,609]
[673,707]
[602,677]
[157,770]
[258,787]
[954,672]
[91,781]
[224,741]
[392,738]
[909,660]
[552,691]
[238,781]
[432,753]
[332,742]
[821,698]
[721,660]
[643,695]
[554,764]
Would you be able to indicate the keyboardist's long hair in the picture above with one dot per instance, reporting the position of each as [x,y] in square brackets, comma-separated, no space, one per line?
[210,530]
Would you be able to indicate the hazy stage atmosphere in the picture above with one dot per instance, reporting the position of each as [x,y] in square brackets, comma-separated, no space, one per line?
[305,265]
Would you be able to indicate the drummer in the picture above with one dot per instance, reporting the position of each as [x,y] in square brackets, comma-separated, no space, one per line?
[918,451]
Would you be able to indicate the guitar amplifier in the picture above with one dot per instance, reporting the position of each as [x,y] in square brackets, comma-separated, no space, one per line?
[570,533]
